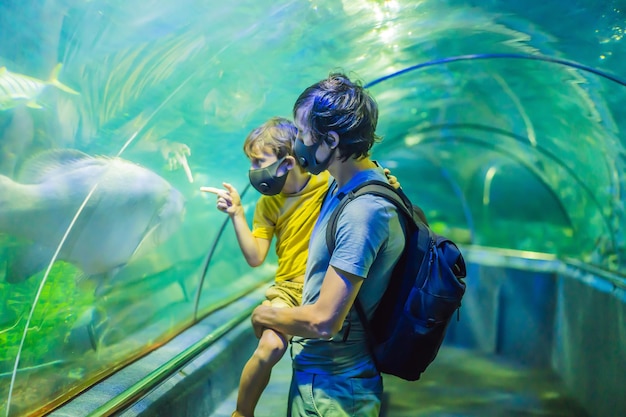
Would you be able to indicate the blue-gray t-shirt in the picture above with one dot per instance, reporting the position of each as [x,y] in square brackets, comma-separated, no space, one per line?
[368,243]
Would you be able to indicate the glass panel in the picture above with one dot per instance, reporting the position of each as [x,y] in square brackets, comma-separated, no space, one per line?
[501,143]
[502,119]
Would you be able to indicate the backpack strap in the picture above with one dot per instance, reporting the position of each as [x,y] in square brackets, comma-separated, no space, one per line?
[374,187]
[402,203]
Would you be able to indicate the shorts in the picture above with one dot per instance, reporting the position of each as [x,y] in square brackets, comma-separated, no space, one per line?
[334,395]
[285,294]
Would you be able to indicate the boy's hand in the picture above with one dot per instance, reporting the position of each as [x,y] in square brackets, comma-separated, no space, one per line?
[228,200]
[393,181]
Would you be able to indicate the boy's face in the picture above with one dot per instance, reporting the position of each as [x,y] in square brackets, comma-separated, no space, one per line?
[262,158]
[267,173]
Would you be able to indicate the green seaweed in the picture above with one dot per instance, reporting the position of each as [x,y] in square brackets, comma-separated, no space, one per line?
[59,305]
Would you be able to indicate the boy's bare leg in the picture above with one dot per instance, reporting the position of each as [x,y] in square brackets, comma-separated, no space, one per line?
[257,371]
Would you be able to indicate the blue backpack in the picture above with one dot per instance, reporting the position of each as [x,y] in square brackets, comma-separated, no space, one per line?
[424,292]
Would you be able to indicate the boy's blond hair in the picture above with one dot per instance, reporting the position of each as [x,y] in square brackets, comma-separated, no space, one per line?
[277,134]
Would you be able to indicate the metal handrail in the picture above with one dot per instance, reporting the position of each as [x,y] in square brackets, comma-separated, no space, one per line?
[151,381]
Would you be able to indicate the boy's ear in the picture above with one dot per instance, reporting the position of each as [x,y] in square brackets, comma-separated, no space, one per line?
[332,139]
[286,166]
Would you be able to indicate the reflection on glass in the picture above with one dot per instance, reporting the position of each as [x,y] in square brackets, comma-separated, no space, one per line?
[113,113]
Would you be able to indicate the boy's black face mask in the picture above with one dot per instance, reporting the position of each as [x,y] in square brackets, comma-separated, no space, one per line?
[265,180]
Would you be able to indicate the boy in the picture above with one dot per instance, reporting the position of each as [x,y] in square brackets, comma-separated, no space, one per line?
[288,209]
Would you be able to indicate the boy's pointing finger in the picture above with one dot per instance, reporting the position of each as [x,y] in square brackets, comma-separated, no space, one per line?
[213,190]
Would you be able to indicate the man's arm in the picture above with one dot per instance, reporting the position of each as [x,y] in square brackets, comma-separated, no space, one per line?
[323,319]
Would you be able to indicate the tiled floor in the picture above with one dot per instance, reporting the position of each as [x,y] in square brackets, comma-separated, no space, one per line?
[459,383]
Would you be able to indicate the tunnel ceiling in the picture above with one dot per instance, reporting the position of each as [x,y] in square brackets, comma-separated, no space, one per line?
[202,76]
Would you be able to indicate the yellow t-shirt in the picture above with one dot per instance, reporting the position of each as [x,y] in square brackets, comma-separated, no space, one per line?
[291,217]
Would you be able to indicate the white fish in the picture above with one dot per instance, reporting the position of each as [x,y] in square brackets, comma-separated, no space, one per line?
[130,212]
[18,88]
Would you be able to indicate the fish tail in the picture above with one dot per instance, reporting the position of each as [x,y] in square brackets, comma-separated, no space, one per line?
[54,80]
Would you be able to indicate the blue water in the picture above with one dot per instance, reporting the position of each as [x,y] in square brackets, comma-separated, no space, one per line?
[515,153]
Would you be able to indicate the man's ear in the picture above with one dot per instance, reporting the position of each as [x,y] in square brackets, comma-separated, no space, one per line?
[332,139]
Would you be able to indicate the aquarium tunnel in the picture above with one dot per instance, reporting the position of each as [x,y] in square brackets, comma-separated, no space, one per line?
[123,290]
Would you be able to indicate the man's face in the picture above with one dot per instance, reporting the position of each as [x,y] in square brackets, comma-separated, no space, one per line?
[304,130]
[313,154]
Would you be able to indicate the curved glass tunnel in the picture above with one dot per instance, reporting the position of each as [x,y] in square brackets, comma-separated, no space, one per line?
[503,120]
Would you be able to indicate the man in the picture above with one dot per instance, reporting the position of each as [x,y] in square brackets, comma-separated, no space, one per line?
[334,374]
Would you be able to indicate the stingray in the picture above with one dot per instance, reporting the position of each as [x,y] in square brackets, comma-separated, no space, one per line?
[124,211]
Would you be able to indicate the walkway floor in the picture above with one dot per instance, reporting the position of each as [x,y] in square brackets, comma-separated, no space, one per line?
[459,383]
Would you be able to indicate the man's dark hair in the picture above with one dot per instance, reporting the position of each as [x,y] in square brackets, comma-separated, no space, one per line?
[342,106]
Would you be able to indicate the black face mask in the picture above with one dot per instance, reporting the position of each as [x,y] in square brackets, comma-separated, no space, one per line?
[265,180]
[305,155]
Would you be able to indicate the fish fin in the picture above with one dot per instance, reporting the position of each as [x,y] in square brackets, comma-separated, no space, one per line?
[39,167]
[105,283]
[83,335]
[34,105]
[146,244]
[183,287]
[54,80]
[84,283]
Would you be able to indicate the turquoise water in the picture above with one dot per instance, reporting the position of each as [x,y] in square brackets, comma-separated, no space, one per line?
[499,149]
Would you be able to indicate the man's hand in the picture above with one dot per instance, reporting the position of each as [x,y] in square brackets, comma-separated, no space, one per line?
[261,311]
[228,200]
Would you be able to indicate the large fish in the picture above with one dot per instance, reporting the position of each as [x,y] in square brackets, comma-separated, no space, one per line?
[18,88]
[125,210]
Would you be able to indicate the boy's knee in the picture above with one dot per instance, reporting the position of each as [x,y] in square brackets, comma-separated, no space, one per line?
[272,346]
